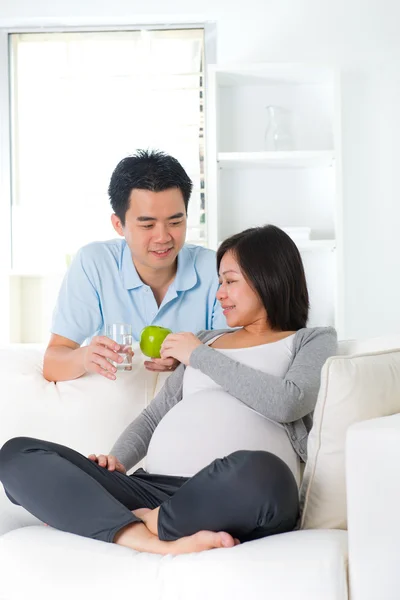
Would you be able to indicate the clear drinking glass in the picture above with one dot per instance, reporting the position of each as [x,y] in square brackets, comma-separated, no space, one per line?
[122,334]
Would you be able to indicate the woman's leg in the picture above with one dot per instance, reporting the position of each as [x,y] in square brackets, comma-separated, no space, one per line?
[68,491]
[249,494]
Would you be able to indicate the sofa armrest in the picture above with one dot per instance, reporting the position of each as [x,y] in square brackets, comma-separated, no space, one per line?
[373,507]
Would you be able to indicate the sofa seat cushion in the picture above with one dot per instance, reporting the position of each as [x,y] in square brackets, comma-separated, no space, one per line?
[39,561]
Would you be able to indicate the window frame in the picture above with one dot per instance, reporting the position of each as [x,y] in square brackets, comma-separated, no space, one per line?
[6,184]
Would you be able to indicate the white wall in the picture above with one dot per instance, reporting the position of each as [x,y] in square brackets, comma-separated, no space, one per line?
[359,36]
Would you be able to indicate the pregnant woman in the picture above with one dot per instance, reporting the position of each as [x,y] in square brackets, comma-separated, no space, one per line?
[224,437]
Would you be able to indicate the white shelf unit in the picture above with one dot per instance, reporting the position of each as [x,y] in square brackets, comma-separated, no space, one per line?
[249,185]
[293,159]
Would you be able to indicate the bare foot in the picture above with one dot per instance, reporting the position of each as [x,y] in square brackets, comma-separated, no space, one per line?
[203,540]
[139,512]
[138,537]
[150,519]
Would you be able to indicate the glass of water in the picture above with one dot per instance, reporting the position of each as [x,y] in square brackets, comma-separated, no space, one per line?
[122,334]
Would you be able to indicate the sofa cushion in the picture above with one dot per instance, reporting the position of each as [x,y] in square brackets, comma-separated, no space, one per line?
[353,388]
[306,565]
[87,414]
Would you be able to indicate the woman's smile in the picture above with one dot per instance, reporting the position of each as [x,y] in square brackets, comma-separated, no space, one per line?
[227,309]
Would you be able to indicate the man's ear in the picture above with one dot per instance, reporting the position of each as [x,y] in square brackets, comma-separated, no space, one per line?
[116,223]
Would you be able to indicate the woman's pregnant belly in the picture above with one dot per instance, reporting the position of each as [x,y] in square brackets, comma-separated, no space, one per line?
[205,426]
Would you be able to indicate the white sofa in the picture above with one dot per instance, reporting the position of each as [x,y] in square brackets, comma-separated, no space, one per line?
[344,549]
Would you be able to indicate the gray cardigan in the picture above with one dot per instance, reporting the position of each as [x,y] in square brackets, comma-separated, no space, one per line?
[289,400]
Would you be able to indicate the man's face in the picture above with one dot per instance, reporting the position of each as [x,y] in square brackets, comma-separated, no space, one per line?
[155,227]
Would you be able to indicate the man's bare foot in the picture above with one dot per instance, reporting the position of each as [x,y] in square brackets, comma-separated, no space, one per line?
[138,537]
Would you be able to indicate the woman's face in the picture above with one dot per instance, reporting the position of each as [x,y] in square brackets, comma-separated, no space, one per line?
[241,304]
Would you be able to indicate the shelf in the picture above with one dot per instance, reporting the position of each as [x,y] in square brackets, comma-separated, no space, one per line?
[294,159]
[272,74]
[312,245]
[249,185]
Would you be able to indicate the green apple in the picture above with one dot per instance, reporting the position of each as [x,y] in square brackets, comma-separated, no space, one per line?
[151,340]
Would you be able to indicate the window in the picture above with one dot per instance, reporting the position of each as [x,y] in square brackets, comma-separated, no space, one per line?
[80,102]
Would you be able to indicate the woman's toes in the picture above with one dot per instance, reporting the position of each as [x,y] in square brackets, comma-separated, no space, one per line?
[237,542]
[227,540]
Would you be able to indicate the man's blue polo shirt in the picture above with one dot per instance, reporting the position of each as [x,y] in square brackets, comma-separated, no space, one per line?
[102,286]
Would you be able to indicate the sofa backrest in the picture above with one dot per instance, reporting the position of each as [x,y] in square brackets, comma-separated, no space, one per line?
[362,382]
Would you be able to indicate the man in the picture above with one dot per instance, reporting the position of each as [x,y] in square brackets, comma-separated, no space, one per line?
[149,277]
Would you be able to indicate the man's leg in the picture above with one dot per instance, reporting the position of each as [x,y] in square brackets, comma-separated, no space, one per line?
[249,494]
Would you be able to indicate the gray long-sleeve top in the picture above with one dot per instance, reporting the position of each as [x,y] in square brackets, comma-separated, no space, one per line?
[289,400]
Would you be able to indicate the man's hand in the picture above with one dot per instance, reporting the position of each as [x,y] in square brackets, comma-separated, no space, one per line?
[161,364]
[179,346]
[109,462]
[96,354]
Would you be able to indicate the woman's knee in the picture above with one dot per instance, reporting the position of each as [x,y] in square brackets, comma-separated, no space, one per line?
[271,493]
[264,476]
[258,465]
[13,448]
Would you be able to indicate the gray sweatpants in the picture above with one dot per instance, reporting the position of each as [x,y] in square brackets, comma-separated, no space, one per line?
[249,494]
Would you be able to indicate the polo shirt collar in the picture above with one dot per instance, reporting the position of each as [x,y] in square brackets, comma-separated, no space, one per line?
[130,277]
[186,274]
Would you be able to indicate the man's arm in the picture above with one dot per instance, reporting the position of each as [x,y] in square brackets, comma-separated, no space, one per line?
[64,359]
[76,317]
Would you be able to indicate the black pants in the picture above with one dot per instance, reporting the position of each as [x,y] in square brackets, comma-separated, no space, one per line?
[249,494]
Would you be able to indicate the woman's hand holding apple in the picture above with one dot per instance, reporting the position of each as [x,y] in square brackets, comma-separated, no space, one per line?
[151,339]
[179,346]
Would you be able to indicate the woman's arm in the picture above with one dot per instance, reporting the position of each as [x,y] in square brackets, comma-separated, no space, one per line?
[133,443]
[283,400]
